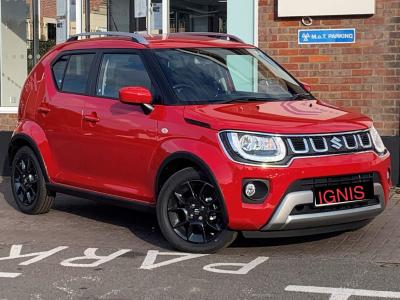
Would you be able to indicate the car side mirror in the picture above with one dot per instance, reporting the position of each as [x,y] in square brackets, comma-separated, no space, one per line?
[306,86]
[135,95]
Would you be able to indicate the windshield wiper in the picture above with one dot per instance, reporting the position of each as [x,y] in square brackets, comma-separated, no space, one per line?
[301,96]
[246,99]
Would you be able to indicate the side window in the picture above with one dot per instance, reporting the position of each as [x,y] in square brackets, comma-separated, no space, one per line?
[77,73]
[121,70]
[59,69]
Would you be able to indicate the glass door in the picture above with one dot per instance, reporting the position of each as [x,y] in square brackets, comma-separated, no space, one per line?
[16,35]
[198,16]
[127,15]
[156,13]
[145,16]
[247,12]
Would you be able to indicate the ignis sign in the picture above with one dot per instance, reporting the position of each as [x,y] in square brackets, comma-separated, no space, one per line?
[327,36]
[308,8]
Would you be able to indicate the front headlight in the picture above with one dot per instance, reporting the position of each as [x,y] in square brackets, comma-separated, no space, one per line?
[377,140]
[253,147]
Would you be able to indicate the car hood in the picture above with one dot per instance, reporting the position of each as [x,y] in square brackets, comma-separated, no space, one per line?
[280,117]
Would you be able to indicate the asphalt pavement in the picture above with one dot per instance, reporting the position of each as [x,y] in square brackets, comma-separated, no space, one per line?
[87,250]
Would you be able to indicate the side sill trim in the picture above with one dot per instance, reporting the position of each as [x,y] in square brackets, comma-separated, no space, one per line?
[100,197]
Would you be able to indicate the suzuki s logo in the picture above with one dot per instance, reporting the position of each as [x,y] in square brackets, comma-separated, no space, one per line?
[336,143]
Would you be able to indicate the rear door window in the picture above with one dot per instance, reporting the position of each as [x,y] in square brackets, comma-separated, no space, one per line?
[59,70]
[77,74]
[120,70]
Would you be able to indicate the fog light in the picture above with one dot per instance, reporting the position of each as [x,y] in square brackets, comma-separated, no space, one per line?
[254,191]
[250,190]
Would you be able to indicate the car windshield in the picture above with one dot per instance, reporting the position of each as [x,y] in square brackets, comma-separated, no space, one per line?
[221,75]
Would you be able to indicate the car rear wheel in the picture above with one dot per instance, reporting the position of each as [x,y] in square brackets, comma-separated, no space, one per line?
[191,213]
[28,183]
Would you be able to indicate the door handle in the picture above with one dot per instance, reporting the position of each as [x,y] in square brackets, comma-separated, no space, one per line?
[43,109]
[92,118]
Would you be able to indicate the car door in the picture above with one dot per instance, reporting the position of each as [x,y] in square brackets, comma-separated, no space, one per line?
[119,139]
[61,113]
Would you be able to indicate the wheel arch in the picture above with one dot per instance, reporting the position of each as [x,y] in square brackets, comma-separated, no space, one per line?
[179,161]
[20,140]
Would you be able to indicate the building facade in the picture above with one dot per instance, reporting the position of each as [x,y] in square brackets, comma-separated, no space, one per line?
[362,74]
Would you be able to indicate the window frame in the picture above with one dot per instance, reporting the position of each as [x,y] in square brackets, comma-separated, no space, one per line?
[70,53]
[158,97]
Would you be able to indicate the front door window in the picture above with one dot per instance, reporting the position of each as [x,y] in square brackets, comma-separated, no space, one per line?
[121,70]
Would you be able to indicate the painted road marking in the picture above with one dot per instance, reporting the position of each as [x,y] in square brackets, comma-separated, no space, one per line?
[243,270]
[341,293]
[149,261]
[90,254]
[9,275]
[15,253]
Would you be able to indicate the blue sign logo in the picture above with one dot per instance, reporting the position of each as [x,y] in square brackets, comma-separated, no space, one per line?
[327,36]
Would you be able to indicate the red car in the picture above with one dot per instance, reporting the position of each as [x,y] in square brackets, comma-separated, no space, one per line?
[209,131]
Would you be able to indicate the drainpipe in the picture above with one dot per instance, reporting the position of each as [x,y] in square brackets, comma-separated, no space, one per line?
[35,25]
[87,15]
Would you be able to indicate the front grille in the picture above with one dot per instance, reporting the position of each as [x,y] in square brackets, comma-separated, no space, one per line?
[328,143]
[312,183]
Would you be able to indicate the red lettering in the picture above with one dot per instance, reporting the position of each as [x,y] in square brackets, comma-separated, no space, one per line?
[351,193]
[359,192]
[342,195]
[331,198]
[320,197]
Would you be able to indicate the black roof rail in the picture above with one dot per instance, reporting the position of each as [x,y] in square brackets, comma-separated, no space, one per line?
[222,36]
[136,37]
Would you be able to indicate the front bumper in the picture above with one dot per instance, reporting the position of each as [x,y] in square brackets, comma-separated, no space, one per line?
[284,223]
[272,214]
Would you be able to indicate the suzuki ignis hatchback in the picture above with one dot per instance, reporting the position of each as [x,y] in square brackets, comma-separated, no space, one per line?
[208,131]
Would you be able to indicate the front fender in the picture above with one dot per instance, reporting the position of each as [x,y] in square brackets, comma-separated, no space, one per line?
[209,154]
[209,157]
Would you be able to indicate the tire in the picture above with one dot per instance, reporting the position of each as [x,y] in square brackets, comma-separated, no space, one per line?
[28,183]
[191,213]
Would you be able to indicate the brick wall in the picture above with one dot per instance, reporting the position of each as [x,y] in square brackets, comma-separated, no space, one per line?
[95,5]
[48,8]
[364,76]
[8,122]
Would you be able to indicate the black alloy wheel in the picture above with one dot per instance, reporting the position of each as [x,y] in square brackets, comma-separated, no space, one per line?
[195,213]
[25,180]
[191,213]
[28,183]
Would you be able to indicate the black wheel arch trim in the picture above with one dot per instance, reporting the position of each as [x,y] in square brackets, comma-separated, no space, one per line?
[197,161]
[12,148]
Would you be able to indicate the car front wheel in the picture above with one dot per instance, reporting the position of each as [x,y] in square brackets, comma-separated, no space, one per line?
[191,213]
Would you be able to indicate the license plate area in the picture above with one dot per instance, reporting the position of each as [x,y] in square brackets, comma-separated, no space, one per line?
[340,194]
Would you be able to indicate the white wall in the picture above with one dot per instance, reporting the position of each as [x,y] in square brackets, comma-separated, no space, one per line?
[307,8]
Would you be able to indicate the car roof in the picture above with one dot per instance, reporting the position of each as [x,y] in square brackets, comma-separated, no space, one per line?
[153,42]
